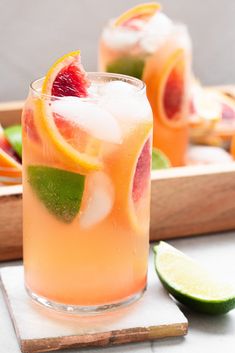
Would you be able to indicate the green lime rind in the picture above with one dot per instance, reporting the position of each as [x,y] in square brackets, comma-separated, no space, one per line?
[159,160]
[206,306]
[128,65]
[59,190]
[13,135]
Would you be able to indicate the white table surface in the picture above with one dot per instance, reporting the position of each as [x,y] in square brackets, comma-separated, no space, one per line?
[206,333]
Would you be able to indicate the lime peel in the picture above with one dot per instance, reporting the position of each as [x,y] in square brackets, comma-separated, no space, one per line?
[13,135]
[59,190]
[159,160]
[127,65]
[190,283]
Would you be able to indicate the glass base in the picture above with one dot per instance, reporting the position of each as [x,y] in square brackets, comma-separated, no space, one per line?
[84,310]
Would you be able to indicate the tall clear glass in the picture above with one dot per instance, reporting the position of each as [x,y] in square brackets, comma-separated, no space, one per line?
[86,195]
[158,52]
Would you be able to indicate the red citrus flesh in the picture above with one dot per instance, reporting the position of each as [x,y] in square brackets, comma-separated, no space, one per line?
[29,125]
[70,81]
[142,172]
[228,114]
[135,23]
[174,94]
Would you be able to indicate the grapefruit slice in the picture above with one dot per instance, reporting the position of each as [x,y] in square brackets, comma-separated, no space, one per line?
[133,17]
[136,210]
[132,182]
[142,172]
[10,168]
[172,90]
[65,78]
[166,88]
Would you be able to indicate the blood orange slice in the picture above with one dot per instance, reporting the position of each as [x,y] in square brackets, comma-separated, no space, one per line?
[129,169]
[167,87]
[138,205]
[137,15]
[172,95]
[142,172]
[10,168]
[65,78]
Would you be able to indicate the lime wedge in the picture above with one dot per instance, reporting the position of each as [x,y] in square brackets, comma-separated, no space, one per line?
[14,136]
[190,283]
[130,66]
[159,160]
[59,190]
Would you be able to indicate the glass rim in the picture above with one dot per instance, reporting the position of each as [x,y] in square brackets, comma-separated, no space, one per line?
[139,84]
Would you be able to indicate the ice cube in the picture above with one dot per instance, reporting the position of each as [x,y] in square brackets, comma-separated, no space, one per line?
[100,202]
[116,87]
[127,109]
[155,32]
[90,117]
[120,38]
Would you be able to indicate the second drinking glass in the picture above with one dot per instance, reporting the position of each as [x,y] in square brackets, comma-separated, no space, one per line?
[145,43]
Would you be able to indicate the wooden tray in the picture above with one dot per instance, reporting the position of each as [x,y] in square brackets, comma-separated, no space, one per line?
[185,201]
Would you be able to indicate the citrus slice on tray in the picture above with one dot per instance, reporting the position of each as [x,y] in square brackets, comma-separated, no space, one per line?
[192,284]
[14,137]
[66,78]
[139,13]
[159,160]
[166,88]
[10,168]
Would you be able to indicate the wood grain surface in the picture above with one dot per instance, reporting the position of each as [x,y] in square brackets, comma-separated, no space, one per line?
[154,316]
[10,112]
[10,222]
[192,200]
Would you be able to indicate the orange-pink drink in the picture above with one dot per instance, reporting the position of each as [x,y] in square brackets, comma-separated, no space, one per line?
[143,42]
[86,162]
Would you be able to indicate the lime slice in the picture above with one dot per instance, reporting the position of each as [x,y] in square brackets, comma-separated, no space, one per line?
[59,190]
[159,160]
[190,283]
[127,66]
[14,136]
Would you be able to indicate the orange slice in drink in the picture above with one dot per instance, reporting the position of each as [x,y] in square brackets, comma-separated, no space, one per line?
[139,13]
[166,75]
[65,78]
[10,168]
[130,174]
[166,88]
